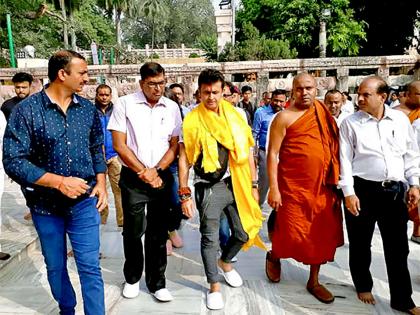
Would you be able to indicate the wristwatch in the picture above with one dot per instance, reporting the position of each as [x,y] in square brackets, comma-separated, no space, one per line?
[158,168]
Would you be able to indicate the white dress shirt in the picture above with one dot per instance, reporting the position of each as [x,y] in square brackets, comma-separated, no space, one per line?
[378,150]
[341,117]
[348,107]
[148,129]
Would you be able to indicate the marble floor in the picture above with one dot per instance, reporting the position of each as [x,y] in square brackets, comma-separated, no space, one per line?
[24,287]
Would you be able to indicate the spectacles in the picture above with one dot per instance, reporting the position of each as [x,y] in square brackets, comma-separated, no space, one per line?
[227,95]
[155,85]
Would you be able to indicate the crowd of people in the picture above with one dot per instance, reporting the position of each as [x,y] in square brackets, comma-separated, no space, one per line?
[312,161]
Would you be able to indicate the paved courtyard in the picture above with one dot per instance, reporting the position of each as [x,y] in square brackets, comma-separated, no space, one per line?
[24,287]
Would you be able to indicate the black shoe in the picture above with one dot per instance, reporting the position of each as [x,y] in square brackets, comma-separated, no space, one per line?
[4,256]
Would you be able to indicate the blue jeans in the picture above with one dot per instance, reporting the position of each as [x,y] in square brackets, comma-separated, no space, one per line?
[224,231]
[81,223]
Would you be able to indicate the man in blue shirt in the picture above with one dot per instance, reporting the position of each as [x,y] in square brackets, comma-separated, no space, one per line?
[103,103]
[53,149]
[262,120]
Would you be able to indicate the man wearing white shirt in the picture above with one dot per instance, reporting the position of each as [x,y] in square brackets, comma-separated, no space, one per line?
[333,99]
[394,100]
[3,122]
[378,153]
[145,129]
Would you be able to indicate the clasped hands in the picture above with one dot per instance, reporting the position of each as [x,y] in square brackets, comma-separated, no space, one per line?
[151,177]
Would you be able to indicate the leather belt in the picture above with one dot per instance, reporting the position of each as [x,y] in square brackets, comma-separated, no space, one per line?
[389,183]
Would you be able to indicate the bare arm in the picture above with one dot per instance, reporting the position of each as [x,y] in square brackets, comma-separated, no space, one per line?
[183,172]
[276,136]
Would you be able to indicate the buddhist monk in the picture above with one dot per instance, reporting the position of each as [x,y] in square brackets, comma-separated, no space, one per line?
[303,168]
[411,107]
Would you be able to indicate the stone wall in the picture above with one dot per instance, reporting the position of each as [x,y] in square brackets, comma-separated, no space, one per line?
[342,73]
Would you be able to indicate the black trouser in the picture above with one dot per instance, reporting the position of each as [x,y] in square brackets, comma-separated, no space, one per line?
[135,196]
[384,205]
[212,201]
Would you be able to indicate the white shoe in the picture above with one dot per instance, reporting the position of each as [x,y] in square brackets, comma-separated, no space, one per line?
[234,259]
[232,277]
[214,300]
[131,290]
[163,295]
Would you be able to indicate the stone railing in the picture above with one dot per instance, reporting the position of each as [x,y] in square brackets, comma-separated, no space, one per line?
[342,73]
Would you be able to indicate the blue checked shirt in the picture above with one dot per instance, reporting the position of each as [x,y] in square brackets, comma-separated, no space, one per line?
[41,138]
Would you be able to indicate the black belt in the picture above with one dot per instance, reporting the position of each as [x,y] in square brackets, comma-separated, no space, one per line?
[385,184]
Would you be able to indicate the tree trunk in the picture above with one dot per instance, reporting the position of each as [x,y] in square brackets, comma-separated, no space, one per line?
[153,35]
[118,25]
[65,28]
[72,32]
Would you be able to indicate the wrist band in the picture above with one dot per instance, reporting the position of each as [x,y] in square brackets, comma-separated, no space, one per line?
[184,191]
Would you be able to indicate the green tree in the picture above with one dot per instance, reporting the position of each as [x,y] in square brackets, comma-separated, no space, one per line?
[390,25]
[152,10]
[181,22]
[256,47]
[208,43]
[298,22]
[116,8]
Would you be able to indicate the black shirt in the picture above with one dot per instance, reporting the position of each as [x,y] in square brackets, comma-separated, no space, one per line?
[8,106]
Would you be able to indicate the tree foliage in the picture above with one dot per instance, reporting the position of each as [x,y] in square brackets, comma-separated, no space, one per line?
[256,47]
[298,22]
[45,31]
[390,25]
[177,22]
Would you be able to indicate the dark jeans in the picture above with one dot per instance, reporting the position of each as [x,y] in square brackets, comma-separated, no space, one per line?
[211,201]
[384,206]
[81,223]
[135,196]
[175,212]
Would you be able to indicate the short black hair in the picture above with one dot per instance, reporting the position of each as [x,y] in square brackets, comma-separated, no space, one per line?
[22,77]
[177,85]
[246,88]
[333,91]
[346,93]
[151,69]
[278,92]
[103,86]
[60,60]
[210,76]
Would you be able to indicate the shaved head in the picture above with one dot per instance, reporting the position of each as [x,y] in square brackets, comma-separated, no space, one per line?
[412,99]
[304,91]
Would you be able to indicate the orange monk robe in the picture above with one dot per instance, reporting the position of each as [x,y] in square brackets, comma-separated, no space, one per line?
[414,114]
[308,225]
[413,212]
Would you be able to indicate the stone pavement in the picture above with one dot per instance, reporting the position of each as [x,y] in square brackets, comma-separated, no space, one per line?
[24,287]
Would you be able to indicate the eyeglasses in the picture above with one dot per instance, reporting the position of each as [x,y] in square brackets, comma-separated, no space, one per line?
[227,95]
[155,85]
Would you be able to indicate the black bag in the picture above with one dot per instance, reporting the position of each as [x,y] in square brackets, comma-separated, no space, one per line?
[216,176]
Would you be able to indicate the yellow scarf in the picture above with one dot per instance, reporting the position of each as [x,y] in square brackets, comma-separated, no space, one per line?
[202,129]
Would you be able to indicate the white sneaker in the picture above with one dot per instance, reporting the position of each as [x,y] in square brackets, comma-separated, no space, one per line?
[214,300]
[131,290]
[232,277]
[163,295]
[234,259]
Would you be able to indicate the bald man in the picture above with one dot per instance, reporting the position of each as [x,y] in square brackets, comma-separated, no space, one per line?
[308,226]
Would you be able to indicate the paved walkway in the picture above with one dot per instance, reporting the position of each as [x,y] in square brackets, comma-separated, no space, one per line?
[24,287]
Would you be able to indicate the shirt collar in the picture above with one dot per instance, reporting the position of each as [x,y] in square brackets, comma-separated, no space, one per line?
[141,98]
[108,108]
[365,117]
[47,101]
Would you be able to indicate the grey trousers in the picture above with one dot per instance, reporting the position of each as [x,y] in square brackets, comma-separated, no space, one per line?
[212,201]
[262,176]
